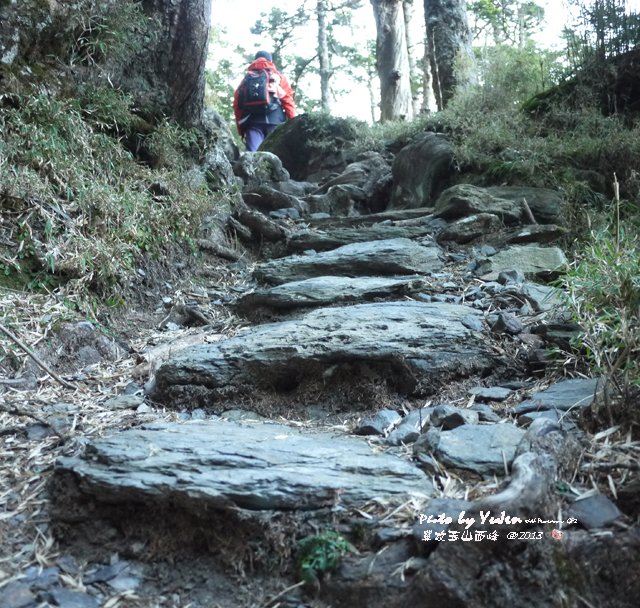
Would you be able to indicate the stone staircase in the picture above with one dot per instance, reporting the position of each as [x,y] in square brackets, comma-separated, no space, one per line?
[378,387]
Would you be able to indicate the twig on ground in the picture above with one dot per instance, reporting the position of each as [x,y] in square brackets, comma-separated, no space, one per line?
[38,361]
[270,603]
[528,212]
[631,466]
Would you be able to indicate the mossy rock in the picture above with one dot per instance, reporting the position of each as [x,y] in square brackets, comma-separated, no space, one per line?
[421,171]
[612,83]
[312,146]
[542,102]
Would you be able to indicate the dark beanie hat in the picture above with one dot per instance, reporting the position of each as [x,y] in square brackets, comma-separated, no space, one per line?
[264,54]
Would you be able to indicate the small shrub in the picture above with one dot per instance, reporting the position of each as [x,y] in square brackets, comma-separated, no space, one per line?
[320,553]
[391,134]
[603,289]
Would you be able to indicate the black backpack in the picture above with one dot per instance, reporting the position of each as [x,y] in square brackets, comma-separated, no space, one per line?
[253,94]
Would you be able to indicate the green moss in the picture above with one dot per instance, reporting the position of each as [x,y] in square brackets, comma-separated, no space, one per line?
[545,100]
[312,135]
[570,576]
[10,279]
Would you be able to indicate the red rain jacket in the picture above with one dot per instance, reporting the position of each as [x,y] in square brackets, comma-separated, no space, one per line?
[285,94]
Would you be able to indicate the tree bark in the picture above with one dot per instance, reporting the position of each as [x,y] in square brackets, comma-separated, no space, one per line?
[448,41]
[428,92]
[392,60]
[323,56]
[414,72]
[178,68]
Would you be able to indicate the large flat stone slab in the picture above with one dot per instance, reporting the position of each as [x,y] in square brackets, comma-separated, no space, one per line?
[325,291]
[228,465]
[388,257]
[402,343]
[331,238]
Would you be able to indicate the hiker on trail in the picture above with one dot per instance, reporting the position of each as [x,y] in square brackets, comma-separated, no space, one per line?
[262,101]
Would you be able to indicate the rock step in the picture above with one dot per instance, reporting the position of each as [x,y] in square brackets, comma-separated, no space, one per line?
[394,215]
[331,238]
[386,257]
[226,465]
[327,291]
[404,344]
[482,449]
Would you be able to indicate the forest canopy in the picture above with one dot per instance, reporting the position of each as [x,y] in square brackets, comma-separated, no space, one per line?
[401,58]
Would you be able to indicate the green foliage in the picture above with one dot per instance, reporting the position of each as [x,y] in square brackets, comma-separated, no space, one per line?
[280,26]
[505,144]
[359,64]
[604,296]
[602,57]
[391,134]
[98,31]
[219,90]
[169,144]
[511,74]
[574,150]
[221,77]
[511,21]
[604,29]
[108,109]
[320,553]
[85,209]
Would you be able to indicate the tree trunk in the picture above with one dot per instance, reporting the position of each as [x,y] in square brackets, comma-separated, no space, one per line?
[428,93]
[165,77]
[323,55]
[373,104]
[392,60]
[449,40]
[177,72]
[414,72]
